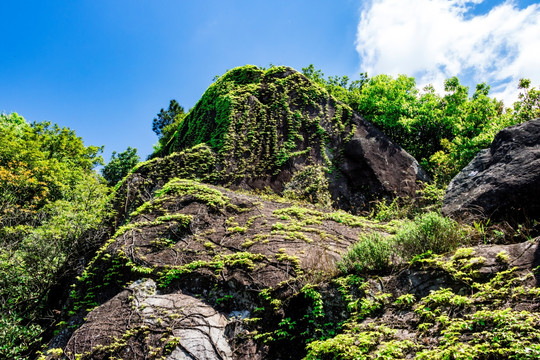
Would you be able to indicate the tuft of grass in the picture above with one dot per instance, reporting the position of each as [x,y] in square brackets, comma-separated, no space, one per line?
[372,253]
[428,232]
[385,210]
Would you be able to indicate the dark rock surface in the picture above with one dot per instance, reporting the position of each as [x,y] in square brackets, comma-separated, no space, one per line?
[211,252]
[502,182]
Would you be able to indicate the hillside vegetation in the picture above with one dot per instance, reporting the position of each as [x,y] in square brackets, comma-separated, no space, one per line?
[443,132]
[241,206]
[50,201]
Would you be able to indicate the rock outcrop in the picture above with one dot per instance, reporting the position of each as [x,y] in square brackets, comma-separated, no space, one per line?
[194,270]
[277,129]
[139,322]
[200,257]
[204,272]
[502,182]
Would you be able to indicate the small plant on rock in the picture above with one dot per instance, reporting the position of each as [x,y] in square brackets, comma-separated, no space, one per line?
[428,232]
[372,253]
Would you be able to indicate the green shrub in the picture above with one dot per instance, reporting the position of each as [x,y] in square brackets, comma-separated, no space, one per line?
[16,337]
[372,253]
[385,210]
[428,232]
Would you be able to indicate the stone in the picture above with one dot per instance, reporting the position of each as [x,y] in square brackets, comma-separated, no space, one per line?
[502,182]
[277,130]
[223,246]
[139,320]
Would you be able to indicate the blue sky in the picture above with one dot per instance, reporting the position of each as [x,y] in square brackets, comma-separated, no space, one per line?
[105,68]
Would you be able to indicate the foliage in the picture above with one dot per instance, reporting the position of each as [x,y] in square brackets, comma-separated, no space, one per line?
[38,161]
[372,253]
[385,210]
[341,87]
[16,337]
[428,232]
[528,106]
[50,201]
[165,118]
[120,165]
[444,132]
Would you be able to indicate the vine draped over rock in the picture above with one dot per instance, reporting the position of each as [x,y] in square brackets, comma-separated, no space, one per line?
[278,129]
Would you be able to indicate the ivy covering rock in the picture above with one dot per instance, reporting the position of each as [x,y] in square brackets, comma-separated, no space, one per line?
[274,222]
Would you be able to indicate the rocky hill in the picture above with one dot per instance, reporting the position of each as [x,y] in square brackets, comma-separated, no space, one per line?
[276,129]
[242,244]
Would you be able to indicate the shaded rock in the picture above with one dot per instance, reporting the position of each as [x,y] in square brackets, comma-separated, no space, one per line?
[522,258]
[371,161]
[502,182]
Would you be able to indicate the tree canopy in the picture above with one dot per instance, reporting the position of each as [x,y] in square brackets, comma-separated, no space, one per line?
[166,117]
[50,199]
[443,132]
[120,165]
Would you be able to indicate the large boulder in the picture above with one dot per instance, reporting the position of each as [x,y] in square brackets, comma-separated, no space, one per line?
[278,130]
[198,257]
[502,182]
[140,322]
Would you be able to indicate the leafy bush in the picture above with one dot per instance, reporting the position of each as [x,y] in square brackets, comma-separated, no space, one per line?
[372,253]
[385,210]
[15,337]
[428,232]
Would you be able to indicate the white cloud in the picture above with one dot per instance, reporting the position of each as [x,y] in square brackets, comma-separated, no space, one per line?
[436,39]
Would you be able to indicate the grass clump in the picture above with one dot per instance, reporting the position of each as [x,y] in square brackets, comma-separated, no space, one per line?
[428,232]
[384,210]
[372,253]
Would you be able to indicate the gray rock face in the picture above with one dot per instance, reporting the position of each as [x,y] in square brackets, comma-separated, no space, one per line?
[502,182]
[139,322]
[372,161]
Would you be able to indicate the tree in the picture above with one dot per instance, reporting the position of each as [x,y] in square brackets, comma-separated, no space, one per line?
[528,105]
[443,132]
[120,165]
[339,86]
[51,201]
[389,104]
[166,117]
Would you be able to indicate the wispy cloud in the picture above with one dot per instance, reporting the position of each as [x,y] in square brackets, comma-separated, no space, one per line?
[436,39]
